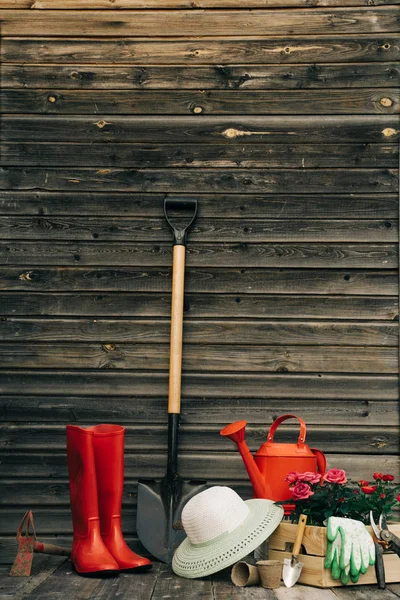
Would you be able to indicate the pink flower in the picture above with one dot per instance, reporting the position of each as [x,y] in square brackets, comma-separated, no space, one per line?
[377,476]
[301,491]
[362,482]
[309,477]
[335,476]
[292,477]
[388,477]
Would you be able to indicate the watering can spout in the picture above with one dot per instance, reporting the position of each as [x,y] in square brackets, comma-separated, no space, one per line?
[235,432]
[269,466]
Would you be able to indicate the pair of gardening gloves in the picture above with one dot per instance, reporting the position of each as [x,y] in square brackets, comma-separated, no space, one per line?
[350,550]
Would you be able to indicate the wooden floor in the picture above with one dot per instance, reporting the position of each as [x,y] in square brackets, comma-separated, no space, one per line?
[54,578]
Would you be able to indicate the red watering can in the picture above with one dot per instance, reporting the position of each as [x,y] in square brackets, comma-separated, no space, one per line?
[273,461]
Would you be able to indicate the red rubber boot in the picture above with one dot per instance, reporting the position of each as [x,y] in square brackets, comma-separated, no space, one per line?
[89,554]
[108,441]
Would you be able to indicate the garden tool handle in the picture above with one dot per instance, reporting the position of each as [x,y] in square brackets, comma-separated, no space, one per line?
[299,535]
[180,231]
[44,548]
[175,361]
[178,285]
[303,429]
[394,547]
[394,542]
[379,566]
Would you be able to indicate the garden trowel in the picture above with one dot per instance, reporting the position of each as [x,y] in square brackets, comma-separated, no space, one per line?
[291,566]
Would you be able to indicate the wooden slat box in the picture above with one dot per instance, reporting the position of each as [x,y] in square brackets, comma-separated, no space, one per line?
[314,544]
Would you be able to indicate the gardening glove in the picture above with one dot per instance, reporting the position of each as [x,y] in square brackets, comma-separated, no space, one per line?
[333,553]
[357,549]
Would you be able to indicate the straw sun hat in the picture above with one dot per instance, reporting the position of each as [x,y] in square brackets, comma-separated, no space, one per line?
[221,529]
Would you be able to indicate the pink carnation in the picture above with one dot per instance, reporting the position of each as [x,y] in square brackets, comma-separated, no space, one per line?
[301,491]
[292,477]
[309,477]
[335,476]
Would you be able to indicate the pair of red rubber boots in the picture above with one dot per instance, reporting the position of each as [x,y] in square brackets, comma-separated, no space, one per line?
[96,477]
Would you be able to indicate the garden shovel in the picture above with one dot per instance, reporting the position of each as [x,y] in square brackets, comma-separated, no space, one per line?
[160,503]
[291,566]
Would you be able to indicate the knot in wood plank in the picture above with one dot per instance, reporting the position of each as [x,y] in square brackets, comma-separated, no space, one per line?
[389,132]
[100,124]
[26,276]
[386,102]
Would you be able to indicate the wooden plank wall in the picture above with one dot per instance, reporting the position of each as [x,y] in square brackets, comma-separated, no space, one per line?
[281,117]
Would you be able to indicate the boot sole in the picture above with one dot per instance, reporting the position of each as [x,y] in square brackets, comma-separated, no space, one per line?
[97,574]
[141,569]
[100,574]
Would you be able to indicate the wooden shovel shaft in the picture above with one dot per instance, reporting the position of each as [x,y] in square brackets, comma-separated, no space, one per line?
[175,361]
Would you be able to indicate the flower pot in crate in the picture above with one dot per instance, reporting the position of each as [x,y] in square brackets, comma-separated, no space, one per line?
[313,556]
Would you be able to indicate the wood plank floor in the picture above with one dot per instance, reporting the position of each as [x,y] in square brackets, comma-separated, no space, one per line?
[53,578]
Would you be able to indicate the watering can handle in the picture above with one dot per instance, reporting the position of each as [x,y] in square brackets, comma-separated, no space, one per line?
[321,461]
[303,429]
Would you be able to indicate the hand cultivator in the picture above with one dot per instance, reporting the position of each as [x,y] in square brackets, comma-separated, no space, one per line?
[28,545]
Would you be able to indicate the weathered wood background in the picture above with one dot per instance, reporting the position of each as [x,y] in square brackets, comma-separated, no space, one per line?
[282,119]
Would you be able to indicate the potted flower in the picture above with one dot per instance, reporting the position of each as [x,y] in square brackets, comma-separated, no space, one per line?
[334,495]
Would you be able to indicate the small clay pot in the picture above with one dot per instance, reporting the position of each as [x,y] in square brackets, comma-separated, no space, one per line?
[243,574]
[270,573]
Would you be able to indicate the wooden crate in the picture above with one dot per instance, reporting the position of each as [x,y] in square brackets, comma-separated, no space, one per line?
[314,547]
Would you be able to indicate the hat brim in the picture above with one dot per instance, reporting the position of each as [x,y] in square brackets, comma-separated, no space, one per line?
[200,560]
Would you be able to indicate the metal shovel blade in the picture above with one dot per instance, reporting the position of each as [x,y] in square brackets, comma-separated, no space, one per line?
[159,525]
[291,571]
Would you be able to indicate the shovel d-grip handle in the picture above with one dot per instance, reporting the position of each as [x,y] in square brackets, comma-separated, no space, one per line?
[303,429]
[183,205]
